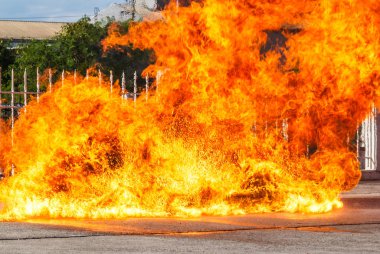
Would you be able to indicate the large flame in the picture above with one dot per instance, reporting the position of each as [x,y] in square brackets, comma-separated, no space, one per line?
[236,125]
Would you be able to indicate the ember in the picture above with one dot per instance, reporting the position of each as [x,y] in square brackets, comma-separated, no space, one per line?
[229,131]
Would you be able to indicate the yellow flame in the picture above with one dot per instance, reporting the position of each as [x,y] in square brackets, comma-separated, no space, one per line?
[237,125]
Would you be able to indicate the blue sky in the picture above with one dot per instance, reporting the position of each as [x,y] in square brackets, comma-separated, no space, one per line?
[36,9]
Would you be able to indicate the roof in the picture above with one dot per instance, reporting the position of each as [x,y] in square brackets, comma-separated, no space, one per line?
[18,30]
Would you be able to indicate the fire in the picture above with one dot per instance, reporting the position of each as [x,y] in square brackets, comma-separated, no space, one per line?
[5,143]
[232,128]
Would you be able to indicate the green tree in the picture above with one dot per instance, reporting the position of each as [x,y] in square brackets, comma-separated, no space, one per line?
[78,47]
[7,55]
[7,58]
[126,59]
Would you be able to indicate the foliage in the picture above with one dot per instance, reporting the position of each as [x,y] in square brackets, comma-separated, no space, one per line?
[78,47]
[7,55]
[126,59]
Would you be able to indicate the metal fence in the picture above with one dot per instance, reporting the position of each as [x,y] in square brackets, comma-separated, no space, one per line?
[366,138]
[12,105]
[9,109]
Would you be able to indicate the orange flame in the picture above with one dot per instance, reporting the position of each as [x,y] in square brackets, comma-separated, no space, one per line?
[233,128]
[5,143]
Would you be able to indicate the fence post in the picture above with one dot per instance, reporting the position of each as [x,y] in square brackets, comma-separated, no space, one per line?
[122,85]
[158,81]
[111,81]
[38,85]
[100,77]
[1,103]
[12,102]
[25,89]
[158,77]
[75,76]
[12,115]
[135,88]
[63,77]
[50,80]
[285,127]
[146,87]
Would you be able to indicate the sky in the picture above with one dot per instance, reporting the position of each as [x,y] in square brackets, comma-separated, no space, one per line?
[50,10]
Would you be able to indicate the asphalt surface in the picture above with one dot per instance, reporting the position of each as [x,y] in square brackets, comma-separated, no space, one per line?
[353,229]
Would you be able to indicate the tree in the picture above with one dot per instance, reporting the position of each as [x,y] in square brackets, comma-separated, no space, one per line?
[7,58]
[78,47]
[7,55]
[126,59]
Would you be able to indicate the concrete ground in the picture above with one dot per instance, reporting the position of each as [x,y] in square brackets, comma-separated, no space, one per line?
[353,229]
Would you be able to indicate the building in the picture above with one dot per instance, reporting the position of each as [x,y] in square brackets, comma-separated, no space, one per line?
[23,31]
[368,145]
[130,9]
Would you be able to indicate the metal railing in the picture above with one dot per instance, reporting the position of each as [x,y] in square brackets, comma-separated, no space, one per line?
[25,94]
[366,140]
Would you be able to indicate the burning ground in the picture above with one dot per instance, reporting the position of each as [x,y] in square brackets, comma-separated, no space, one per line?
[231,128]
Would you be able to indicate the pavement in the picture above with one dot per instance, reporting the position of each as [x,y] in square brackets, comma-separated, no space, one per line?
[353,229]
